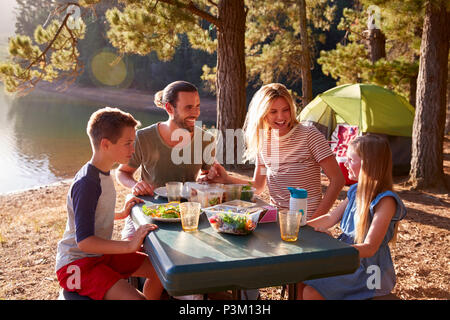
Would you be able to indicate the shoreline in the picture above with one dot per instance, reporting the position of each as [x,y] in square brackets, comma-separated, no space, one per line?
[129,98]
[59,183]
[121,98]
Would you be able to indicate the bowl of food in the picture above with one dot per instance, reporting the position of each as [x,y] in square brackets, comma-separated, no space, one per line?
[167,212]
[233,221]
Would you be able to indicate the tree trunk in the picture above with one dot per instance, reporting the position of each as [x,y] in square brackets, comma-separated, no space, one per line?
[306,59]
[428,129]
[231,78]
[376,44]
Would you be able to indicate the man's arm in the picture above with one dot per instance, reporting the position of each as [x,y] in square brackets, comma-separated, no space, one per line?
[124,175]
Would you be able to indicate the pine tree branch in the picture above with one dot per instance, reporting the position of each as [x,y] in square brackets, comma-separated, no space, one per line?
[42,55]
[196,11]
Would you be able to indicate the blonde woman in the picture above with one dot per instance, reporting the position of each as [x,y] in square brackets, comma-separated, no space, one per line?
[369,220]
[287,153]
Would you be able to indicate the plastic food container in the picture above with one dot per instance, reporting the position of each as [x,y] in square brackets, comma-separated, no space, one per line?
[232,192]
[190,189]
[209,196]
[247,194]
[232,222]
[239,203]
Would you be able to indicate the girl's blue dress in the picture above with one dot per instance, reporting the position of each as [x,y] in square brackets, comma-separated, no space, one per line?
[375,275]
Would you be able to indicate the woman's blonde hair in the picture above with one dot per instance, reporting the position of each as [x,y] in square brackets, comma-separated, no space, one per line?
[375,177]
[255,125]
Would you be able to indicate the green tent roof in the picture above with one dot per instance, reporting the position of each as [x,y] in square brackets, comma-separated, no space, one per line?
[370,107]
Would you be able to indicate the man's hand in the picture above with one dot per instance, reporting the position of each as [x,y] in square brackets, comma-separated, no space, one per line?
[142,188]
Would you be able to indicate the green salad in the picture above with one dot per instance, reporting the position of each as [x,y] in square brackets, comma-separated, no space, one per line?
[167,211]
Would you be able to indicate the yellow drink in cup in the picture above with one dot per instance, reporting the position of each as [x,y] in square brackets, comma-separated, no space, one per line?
[289,224]
[190,213]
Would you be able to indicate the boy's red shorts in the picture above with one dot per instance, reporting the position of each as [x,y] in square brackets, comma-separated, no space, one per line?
[94,276]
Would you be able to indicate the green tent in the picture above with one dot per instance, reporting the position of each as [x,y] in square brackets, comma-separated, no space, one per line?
[372,109]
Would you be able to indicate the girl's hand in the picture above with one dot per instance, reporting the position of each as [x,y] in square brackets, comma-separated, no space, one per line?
[323,230]
[138,237]
[128,206]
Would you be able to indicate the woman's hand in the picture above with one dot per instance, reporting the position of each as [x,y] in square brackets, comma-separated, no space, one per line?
[216,174]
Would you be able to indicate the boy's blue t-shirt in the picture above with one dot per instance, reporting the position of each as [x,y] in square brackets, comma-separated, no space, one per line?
[90,211]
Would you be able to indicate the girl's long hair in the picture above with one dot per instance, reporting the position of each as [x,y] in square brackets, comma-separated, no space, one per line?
[255,125]
[375,177]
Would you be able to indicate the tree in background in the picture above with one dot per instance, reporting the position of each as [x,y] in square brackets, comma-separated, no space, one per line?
[401,24]
[414,29]
[281,40]
[141,27]
[429,123]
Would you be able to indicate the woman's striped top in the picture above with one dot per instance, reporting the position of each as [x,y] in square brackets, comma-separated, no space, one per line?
[293,161]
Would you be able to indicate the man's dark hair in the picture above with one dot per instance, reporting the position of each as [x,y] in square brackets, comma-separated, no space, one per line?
[170,93]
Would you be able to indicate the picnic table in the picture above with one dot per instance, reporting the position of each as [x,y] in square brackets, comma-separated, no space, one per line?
[206,261]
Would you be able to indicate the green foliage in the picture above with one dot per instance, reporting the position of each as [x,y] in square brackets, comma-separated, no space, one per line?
[29,63]
[142,27]
[273,38]
[401,22]
[345,62]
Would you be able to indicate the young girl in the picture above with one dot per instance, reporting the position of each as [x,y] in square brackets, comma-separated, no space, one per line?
[369,220]
[287,153]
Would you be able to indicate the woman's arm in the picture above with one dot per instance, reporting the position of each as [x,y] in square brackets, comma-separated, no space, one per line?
[384,211]
[328,220]
[218,174]
[337,182]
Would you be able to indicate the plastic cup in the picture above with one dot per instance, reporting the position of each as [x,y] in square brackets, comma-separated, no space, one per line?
[174,190]
[289,224]
[232,192]
[190,213]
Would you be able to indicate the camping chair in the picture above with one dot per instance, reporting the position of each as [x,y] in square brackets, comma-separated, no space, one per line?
[340,139]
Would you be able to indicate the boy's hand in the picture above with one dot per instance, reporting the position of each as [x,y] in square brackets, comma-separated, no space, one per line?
[142,188]
[139,235]
[127,208]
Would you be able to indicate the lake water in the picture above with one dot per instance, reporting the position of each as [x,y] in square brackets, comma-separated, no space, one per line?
[44,140]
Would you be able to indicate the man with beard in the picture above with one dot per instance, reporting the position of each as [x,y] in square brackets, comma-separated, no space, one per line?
[174,150]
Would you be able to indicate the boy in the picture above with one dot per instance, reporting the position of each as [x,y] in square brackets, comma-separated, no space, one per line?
[88,261]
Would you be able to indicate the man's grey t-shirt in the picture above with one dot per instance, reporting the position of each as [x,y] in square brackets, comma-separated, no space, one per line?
[161,163]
